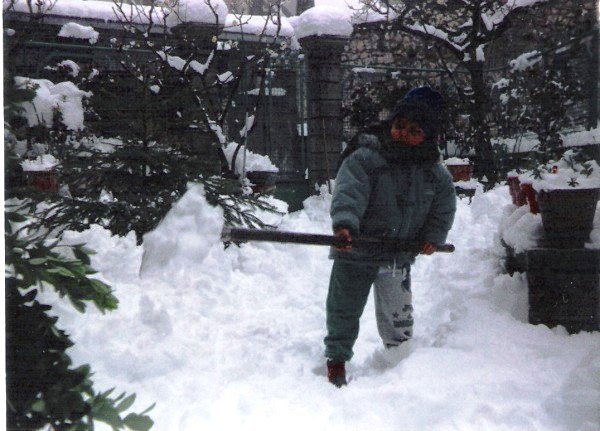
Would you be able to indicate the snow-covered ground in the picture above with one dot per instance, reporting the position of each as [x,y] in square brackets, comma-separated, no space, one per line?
[232,339]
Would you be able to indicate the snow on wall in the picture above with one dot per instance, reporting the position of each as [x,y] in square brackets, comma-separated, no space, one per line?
[63,97]
[324,20]
[201,11]
[187,11]
[90,9]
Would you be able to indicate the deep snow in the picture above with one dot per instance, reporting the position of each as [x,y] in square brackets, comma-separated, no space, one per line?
[232,339]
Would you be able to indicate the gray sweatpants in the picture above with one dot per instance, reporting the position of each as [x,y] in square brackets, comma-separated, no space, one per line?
[349,288]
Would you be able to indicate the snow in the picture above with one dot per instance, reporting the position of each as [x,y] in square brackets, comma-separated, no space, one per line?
[565,174]
[457,161]
[253,162]
[63,97]
[77,31]
[45,162]
[198,11]
[520,229]
[184,238]
[258,25]
[72,66]
[181,64]
[90,9]
[324,20]
[525,61]
[232,339]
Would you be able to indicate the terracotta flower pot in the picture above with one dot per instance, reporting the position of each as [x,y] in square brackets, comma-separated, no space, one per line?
[568,216]
[530,195]
[516,193]
[461,172]
[43,180]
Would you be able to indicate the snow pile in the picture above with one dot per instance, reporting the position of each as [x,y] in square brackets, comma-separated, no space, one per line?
[232,339]
[64,98]
[198,11]
[184,238]
[77,31]
[324,20]
[258,25]
[520,229]
[253,161]
[45,162]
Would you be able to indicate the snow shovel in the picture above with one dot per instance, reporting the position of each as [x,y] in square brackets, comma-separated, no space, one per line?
[243,234]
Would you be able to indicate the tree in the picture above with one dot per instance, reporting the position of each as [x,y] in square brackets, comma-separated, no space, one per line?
[171,106]
[461,30]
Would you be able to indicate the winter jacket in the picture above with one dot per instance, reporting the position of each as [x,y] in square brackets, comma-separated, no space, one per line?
[405,201]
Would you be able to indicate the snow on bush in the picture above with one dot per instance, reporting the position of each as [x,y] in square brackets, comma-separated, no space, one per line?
[77,31]
[64,98]
[45,162]
[184,238]
[258,25]
[254,161]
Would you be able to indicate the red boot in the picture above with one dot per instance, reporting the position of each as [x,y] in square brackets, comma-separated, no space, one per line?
[336,373]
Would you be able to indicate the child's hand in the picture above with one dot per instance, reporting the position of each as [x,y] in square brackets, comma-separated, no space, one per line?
[344,234]
[428,248]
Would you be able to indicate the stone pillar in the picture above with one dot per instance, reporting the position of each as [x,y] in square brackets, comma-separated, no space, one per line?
[324,103]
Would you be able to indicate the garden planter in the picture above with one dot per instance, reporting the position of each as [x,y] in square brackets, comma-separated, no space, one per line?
[567,216]
[563,288]
[516,193]
[262,181]
[43,180]
[531,197]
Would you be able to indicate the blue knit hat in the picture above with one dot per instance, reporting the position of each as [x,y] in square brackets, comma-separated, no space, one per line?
[426,96]
[422,105]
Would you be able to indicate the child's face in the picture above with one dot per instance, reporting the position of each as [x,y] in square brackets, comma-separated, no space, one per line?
[407,133]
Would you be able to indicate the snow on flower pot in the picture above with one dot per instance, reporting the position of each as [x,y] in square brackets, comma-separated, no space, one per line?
[41,174]
[567,192]
[262,181]
[568,216]
[461,169]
